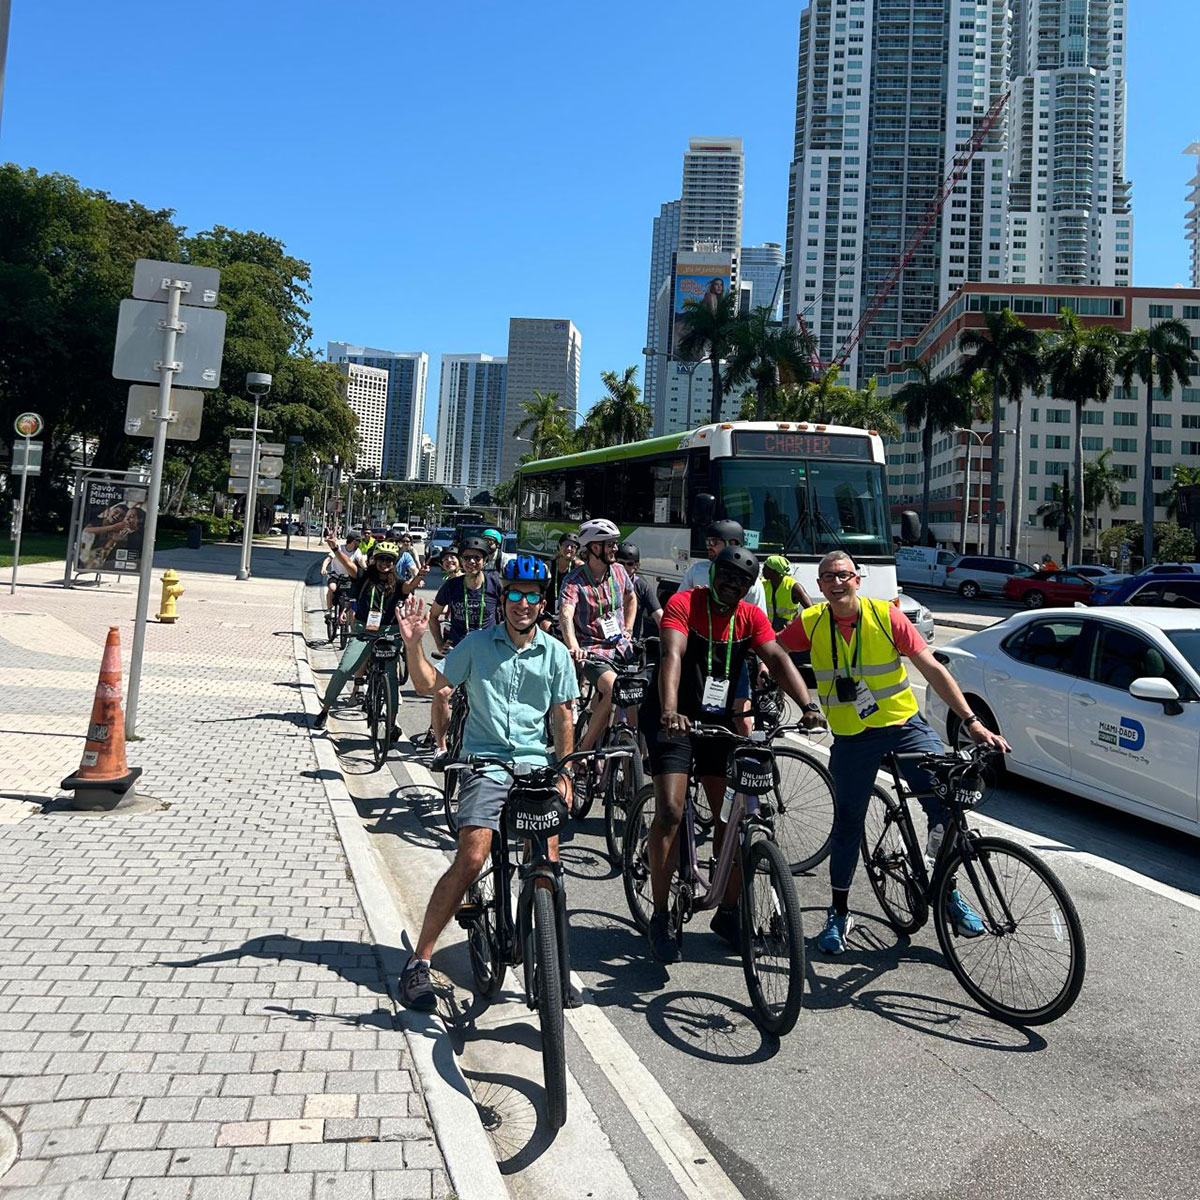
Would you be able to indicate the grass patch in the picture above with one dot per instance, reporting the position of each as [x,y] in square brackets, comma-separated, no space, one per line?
[52,547]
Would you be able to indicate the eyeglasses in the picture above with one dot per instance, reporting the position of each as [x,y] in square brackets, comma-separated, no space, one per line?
[471,558]
[516,596]
[384,561]
[838,576]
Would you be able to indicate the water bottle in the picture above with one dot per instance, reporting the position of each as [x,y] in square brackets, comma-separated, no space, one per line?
[727,804]
[933,845]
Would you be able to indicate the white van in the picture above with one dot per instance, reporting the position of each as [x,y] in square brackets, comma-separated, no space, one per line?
[922,566]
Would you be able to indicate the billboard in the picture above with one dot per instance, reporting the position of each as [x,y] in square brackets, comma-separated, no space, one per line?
[705,285]
[112,526]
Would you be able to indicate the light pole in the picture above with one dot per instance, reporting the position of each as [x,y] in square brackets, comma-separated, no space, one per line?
[258,384]
[962,549]
[689,365]
[295,441]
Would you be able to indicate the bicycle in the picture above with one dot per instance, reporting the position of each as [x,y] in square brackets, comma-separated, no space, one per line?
[378,703]
[1026,912]
[455,728]
[536,936]
[337,616]
[772,936]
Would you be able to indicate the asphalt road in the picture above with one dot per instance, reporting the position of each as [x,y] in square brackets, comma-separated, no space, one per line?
[893,1083]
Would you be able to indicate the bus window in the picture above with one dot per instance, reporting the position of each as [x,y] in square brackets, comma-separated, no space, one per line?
[669,479]
[631,494]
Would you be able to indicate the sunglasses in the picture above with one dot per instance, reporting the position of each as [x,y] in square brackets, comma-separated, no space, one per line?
[516,596]
[734,577]
[385,560]
[837,576]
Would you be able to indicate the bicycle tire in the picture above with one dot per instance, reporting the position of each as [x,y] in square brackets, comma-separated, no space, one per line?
[379,716]
[626,777]
[888,851]
[635,863]
[401,663]
[776,927]
[330,625]
[549,989]
[343,631]
[454,735]
[1045,921]
[483,940]
[803,808]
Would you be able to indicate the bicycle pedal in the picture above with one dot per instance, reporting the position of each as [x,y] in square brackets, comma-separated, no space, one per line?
[468,914]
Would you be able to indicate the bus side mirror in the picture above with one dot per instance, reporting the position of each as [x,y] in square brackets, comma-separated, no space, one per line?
[910,527]
[704,508]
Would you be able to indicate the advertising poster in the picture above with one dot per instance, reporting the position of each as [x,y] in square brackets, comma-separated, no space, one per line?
[703,285]
[112,526]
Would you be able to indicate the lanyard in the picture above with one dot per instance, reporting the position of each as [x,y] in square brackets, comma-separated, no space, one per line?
[467,604]
[712,638]
[833,640]
[612,594]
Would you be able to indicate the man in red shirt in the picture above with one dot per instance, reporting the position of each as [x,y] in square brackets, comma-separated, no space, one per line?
[706,635]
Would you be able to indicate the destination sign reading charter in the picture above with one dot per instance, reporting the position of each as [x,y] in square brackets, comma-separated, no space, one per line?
[784,444]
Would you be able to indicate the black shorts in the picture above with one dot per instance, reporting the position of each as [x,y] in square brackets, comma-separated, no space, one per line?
[676,755]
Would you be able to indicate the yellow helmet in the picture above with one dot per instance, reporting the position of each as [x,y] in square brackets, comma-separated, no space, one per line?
[388,549]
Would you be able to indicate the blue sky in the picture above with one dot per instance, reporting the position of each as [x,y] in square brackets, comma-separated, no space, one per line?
[446,166]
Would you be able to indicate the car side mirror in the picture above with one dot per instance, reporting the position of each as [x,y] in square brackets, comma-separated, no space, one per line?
[1160,691]
[910,527]
[704,508]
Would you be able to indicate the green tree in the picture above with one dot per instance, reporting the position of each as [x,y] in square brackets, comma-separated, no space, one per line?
[544,425]
[768,354]
[936,405]
[1170,542]
[864,408]
[1181,477]
[1101,485]
[707,332]
[1159,355]
[1007,351]
[618,416]
[1079,361]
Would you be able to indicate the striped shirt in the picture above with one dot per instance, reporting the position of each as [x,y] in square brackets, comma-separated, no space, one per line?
[595,601]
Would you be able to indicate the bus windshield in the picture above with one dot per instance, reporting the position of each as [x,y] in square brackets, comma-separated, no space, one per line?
[801,507]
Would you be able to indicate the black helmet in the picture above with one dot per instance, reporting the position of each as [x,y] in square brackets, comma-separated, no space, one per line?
[727,531]
[627,552]
[475,543]
[737,559]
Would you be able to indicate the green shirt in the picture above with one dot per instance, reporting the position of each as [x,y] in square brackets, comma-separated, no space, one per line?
[509,692]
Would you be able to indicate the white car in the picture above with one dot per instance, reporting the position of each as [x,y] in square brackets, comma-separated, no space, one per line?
[1102,702]
[918,614]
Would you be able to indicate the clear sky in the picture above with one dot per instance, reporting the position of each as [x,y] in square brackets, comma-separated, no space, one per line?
[445,166]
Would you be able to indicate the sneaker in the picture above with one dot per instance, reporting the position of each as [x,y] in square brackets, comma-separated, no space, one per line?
[416,990]
[397,733]
[320,719]
[832,939]
[663,945]
[727,925]
[440,759]
[966,921]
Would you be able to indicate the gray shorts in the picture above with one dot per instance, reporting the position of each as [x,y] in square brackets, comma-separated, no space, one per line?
[480,801]
[592,671]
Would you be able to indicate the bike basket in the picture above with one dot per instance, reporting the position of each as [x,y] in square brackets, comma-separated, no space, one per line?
[535,811]
[957,785]
[384,649]
[751,771]
[629,690]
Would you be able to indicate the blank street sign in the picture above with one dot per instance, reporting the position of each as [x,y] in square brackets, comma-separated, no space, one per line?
[149,275]
[187,405]
[269,487]
[19,466]
[271,447]
[140,344]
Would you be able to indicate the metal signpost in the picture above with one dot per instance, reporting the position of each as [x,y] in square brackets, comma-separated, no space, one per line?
[26,461]
[154,345]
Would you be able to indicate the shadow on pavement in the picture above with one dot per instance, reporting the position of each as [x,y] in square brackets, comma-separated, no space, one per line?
[949,1021]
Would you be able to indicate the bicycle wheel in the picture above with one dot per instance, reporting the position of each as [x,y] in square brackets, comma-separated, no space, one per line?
[401,663]
[1027,966]
[330,624]
[625,779]
[635,861]
[343,629]
[483,941]
[772,938]
[454,732]
[380,717]
[549,992]
[888,850]
[803,809]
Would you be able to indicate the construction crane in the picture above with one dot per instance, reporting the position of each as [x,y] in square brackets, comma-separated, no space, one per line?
[962,160]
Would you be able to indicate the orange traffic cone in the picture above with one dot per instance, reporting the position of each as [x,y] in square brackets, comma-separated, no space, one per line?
[104,780]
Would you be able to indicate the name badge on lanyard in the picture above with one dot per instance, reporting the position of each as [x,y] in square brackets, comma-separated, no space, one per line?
[715,697]
[611,626]
[374,615]
[847,687]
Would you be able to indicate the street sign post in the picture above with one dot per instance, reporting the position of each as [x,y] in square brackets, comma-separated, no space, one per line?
[156,344]
[25,462]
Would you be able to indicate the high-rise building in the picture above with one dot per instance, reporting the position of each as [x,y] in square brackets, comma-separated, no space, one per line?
[428,468]
[710,212]
[408,373]
[367,393]
[762,268]
[664,242]
[1193,216]
[543,356]
[471,399]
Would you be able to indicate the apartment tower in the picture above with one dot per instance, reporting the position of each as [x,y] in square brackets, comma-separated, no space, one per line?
[367,395]
[471,400]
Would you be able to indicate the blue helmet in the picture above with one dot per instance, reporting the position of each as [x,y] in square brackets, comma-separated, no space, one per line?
[527,569]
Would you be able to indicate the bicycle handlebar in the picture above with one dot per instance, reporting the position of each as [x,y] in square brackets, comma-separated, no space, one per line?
[477,762]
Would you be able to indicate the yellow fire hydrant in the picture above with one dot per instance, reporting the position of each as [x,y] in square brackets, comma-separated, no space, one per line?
[172,590]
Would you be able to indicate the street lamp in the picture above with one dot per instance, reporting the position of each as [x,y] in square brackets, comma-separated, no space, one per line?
[962,549]
[295,441]
[258,384]
[689,365]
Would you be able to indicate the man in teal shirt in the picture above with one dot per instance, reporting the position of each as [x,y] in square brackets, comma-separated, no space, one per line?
[514,674]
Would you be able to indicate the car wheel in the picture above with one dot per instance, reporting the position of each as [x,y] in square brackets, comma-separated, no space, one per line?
[968,589]
[1034,599]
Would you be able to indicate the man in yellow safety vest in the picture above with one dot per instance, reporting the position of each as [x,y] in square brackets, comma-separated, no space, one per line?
[858,646]
[785,596]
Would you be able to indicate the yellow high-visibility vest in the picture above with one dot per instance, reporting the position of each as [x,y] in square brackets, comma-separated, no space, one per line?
[780,605]
[877,663]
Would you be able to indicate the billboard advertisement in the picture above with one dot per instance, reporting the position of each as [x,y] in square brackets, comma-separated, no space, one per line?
[704,285]
[112,526]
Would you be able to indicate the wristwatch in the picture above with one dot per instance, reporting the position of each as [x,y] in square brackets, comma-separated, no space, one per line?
[969,719]
[812,706]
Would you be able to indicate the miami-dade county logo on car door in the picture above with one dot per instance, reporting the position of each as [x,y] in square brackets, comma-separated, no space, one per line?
[1128,734]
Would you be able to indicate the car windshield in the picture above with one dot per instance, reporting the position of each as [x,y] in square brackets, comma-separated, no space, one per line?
[444,531]
[807,506]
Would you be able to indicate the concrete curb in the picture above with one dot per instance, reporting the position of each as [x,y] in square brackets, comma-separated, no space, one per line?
[465,1147]
[9,1146]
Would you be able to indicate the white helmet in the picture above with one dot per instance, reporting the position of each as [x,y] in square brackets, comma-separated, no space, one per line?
[598,530]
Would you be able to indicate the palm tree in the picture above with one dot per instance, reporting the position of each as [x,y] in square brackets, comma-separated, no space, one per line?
[1162,353]
[1079,361]
[619,416]
[770,354]
[937,405]
[864,408]
[1101,485]
[545,425]
[1181,477]
[706,331]
[1008,351]
[1054,512]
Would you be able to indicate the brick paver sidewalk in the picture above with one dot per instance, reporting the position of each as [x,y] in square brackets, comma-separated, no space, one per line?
[190,1004]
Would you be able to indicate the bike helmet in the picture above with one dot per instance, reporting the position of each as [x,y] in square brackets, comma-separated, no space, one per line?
[597,529]
[628,554]
[388,550]
[736,559]
[778,563]
[727,531]
[526,569]
[473,543]
[495,537]
[353,536]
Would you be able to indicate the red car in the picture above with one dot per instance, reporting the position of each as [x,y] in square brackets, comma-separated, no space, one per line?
[1049,587]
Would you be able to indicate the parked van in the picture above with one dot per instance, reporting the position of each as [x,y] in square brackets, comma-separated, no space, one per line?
[922,566]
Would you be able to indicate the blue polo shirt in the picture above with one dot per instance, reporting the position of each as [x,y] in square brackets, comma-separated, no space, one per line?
[509,692]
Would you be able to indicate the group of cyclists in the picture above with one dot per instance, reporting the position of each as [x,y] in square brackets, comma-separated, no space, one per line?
[494,631]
